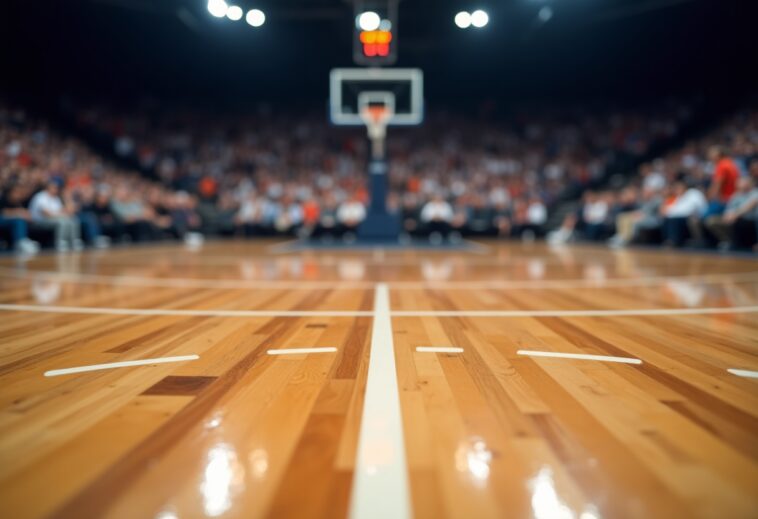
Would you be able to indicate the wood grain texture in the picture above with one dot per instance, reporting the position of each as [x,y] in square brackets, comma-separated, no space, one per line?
[488,432]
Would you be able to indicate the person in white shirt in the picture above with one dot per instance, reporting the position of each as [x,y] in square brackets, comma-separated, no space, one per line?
[48,210]
[436,216]
[536,213]
[350,214]
[594,216]
[688,203]
[249,217]
[290,216]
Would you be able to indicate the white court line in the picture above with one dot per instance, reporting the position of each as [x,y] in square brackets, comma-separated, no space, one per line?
[579,356]
[124,364]
[97,310]
[577,313]
[743,373]
[300,351]
[380,482]
[180,312]
[438,349]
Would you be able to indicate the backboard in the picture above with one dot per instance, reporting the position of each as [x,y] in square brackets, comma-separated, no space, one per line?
[352,90]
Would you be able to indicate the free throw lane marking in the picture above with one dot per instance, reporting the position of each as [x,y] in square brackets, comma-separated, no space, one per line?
[438,349]
[300,351]
[743,373]
[579,356]
[380,483]
[124,364]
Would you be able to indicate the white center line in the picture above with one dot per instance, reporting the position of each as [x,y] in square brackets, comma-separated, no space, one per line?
[124,364]
[300,351]
[743,373]
[438,349]
[380,483]
[579,356]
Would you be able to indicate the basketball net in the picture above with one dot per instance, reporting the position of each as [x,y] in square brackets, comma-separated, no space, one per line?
[376,118]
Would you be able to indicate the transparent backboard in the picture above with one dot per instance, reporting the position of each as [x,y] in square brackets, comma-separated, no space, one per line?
[399,89]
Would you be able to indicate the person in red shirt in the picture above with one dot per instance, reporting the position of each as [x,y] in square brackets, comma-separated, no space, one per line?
[723,185]
[725,176]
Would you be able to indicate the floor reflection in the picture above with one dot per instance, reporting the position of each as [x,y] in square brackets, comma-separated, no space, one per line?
[46,291]
[258,461]
[473,458]
[547,504]
[223,478]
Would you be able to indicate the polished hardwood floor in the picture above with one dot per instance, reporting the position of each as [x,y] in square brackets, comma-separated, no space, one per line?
[651,424]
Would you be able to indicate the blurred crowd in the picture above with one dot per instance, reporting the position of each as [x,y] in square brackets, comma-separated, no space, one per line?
[56,190]
[703,194]
[193,172]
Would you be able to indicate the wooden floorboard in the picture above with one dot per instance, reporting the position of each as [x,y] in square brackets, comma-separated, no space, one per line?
[488,431]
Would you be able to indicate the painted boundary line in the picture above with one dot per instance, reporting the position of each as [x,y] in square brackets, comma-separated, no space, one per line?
[380,483]
[300,351]
[579,313]
[360,313]
[438,349]
[123,364]
[743,372]
[578,356]
[179,312]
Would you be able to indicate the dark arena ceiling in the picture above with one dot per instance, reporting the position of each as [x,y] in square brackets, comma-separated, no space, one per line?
[174,48]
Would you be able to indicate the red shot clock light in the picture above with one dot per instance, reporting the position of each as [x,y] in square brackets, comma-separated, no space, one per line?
[376,43]
[375,32]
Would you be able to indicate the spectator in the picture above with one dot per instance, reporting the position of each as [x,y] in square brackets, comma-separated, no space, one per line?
[250,215]
[683,205]
[48,210]
[634,225]
[15,217]
[594,216]
[350,215]
[740,213]
[184,217]
[132,213]
[436,216]
[101,207]
[723,182]
[327,223]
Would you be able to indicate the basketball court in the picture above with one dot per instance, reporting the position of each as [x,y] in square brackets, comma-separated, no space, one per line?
[248,380]
[385,353]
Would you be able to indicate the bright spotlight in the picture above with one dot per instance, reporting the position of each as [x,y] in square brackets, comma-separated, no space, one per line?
[234,12]
[255,17]
[369,21]
[217,8]
[463,20]
[479,18]
[545,14]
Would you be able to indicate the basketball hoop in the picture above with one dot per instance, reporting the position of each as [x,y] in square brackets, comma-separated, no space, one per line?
[376,117]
